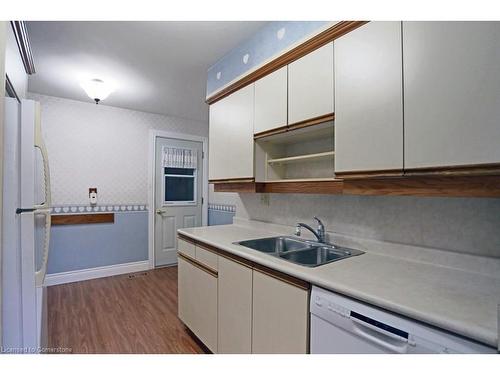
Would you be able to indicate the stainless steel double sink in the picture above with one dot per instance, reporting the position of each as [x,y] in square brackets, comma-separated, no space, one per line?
[304,252]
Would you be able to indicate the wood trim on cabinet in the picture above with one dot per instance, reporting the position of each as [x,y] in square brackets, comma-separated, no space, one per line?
[267,133]
[199,265]
[237,259]
[311,122]
[207,247]
[186,238]
[307,187]
[231,180]
[459,170]
[295,126]
[426,186]
[282,277]
[83,219]
[370,174]
[332,33]
[239,187]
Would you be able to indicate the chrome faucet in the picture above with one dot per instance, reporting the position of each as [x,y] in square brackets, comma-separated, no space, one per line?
[319,233]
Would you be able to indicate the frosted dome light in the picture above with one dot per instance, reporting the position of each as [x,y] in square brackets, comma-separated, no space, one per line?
[96,89]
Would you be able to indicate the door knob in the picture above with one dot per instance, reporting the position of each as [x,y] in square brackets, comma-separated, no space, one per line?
[159,211]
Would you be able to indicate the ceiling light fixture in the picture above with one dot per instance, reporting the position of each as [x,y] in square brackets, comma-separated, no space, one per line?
[96,89]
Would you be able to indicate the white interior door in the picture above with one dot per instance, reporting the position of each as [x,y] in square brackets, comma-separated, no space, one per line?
[178,194]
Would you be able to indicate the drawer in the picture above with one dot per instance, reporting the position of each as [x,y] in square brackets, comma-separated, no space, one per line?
[186,248]
[207,257]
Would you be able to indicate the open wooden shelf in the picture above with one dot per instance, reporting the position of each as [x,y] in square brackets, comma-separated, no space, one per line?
[299,158]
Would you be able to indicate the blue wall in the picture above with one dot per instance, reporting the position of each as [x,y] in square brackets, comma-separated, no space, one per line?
[75,247]
[269,41]
[216,217]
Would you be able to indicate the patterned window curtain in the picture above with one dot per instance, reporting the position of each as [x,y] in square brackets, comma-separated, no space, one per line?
[174,157]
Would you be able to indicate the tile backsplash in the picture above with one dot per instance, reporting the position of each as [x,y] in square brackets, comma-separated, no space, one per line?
[464,225]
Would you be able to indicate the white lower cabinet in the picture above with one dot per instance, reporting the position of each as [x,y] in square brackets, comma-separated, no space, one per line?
[280,316]
[197,299]
[241,309]
[235,307]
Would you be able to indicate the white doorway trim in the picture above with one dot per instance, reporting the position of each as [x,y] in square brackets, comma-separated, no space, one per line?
[153,134]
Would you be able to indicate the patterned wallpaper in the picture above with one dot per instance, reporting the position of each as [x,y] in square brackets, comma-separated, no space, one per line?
[269,42]
[101,146]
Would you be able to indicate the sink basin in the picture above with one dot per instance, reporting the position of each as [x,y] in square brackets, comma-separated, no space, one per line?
[315,256]
[275,244]
[304,252]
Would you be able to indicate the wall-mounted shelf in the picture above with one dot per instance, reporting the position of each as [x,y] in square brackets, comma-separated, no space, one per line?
[305,153]
[299,158]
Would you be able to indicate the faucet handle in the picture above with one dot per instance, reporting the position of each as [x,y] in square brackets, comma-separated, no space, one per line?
[297,231]
[320,223]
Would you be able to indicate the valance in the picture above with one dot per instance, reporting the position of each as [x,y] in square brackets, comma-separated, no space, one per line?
[174,157]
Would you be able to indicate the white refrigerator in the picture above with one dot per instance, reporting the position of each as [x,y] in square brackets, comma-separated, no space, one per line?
[26,229]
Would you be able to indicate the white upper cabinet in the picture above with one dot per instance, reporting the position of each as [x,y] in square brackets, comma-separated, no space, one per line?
[231,136]
[271,101]
[369,99]
[452,93]
[310,85]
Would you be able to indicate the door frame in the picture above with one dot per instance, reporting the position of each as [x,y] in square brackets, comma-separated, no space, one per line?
[153,134]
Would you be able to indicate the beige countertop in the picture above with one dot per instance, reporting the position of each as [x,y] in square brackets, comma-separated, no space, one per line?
[454,299]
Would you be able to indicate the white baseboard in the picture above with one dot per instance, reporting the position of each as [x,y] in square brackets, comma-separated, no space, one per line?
[95,273]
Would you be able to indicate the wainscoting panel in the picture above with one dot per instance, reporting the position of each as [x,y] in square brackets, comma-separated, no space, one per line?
[86,246]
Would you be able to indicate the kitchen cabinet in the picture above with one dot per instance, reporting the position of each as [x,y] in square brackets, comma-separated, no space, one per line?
[186,248]
[369,99]
[451,93]
[235,307]
[310,85]
[197,299]
[280,316]
[231,136]
[271,101]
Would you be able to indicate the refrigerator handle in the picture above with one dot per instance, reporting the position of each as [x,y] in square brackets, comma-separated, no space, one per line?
[39,143]
[40,274]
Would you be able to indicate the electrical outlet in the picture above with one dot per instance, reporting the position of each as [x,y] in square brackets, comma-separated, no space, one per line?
[264,199]
[93,196]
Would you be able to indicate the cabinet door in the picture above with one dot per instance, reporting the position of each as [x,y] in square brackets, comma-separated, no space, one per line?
[197,299]
[231,136]
[452,96]
[185,292]
[369,99]
[310,85]
[280,316]
[235,307]
[271,101]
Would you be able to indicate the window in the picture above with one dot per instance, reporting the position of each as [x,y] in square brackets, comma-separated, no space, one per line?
[179,186]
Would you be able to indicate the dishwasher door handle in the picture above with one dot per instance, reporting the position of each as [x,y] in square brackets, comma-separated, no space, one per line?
[360,328]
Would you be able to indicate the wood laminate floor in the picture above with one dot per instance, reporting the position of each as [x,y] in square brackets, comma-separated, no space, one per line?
[119,314]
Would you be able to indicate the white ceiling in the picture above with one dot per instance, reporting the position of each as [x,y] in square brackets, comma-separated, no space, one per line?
[157,67]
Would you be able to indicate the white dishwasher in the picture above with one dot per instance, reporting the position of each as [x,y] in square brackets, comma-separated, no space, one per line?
[340,325]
